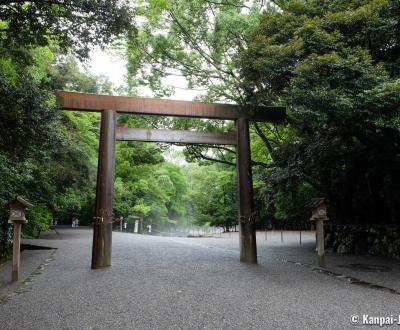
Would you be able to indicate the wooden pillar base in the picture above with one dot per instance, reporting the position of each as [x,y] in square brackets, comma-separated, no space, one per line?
[101,256]
[247,239]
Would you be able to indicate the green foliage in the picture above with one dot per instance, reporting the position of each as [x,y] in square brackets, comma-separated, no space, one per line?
[39,218]
[66,75]
[212,195]
[335,66]
[195,39]
[69,204]
[200,40]
[146,185]
[73,25]
[26,124]
[47,157]
[290,208]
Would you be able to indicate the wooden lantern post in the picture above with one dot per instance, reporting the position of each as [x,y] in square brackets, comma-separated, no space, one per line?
[319,215]
[17,208]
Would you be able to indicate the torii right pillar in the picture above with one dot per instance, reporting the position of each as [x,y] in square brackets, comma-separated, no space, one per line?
[247,228]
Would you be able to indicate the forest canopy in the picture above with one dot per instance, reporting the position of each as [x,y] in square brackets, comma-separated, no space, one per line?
[335,66]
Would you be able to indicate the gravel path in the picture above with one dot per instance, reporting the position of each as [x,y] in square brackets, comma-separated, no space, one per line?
[190,283]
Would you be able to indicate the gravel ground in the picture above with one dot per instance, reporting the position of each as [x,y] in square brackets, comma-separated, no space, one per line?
[193,283]
[30,262]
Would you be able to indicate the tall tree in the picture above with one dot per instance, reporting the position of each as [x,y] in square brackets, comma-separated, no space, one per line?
[196,41]
[35,141]
[335,65]
[212,195]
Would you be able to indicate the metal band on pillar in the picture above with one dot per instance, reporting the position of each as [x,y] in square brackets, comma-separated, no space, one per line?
[247,230]
[102,224]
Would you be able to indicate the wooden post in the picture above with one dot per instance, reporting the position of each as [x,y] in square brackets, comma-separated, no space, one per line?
[17,207]
[102,227]
[16,251]
[247,230]
[319,215]
[320,242]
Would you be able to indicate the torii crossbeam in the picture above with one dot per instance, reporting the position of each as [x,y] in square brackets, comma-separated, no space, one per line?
[109,106]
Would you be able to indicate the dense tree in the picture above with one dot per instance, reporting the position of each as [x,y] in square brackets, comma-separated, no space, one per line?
[335,66]
[147,185]
[66,74]
[75,25]
[200,41]
[196,41]
[212,195]
[46,156]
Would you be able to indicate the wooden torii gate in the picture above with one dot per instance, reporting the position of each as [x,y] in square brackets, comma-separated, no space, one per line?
[109,106]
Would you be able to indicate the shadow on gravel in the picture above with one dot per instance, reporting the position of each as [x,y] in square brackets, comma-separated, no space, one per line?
[36,247]
[64,233]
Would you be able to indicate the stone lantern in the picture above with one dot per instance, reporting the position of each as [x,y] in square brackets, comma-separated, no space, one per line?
[17,207]
[319,208]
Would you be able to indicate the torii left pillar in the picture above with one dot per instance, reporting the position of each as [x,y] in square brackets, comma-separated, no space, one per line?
[102,225]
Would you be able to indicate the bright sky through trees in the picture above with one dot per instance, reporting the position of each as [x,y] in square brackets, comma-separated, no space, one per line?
[112,65]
